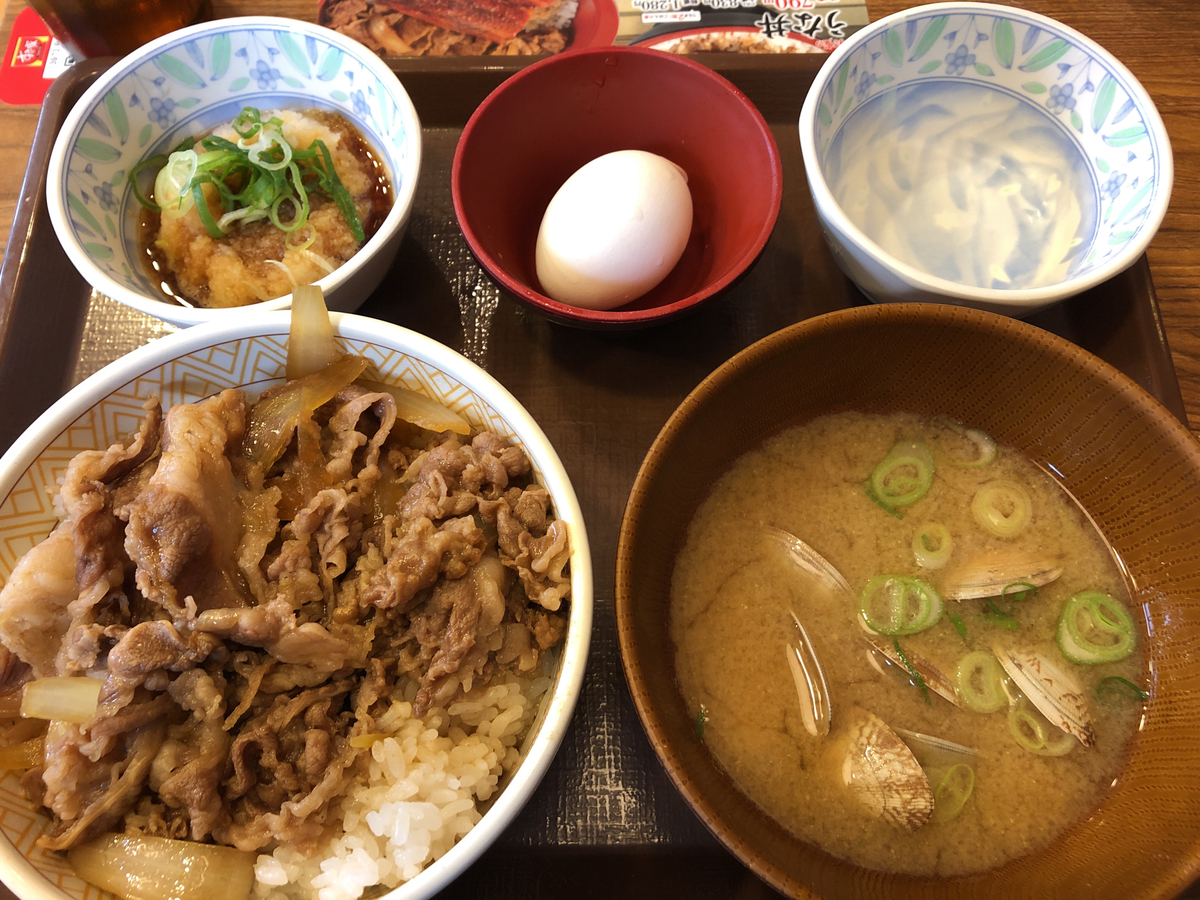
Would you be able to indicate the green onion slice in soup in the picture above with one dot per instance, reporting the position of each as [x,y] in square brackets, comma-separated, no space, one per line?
[1115,689]
[1094,628]
[1037,735]
[952,792]
[903,477]
[980,682]
[897,605]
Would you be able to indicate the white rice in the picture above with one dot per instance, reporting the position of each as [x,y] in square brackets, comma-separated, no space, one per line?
[421,794]
[557,15]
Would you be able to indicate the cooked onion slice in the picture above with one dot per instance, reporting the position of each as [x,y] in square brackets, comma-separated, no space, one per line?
[272,421]
[310,341]
[25,755]
[1003,508]
[421,410]
[151,868]
[62,699]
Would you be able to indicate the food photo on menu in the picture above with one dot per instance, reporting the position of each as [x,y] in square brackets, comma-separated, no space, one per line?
[593,448]
[516,28]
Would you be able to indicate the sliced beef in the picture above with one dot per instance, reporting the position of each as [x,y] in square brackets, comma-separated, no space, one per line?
[34,603]
[185,528]
[108,800]
[418,555]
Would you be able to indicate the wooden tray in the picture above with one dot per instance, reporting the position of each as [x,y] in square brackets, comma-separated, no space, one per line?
[605,821]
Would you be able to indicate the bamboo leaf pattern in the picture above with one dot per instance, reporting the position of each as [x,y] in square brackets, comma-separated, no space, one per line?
[331,65]
[179,70]
[222,51]
[1031,37]
[932,32]
[100,251]
[97,150]
[1049,54]
[1104,102]
[116,111]
[84,213]
[1134,201]
[893,47]
[295,55]
[1125,136]
[1004,42]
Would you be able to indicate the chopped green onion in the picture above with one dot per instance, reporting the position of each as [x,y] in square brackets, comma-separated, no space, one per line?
[1117,688]
[253,178]
[957,623]
[1020,590]
[952,792]
[202,210]
[155,163]
[340,195]
[897,605]
[1002,508]
[912,672]
[932,545]
[1094,628]
[1001,620]
[701,718]
[980,682]
[1037,735]
[904,476]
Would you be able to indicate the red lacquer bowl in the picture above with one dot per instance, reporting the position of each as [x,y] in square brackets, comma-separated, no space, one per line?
[542,124]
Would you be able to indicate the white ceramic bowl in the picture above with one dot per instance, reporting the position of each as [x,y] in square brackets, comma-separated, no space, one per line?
[1067,94]
[184,84]
[250,352]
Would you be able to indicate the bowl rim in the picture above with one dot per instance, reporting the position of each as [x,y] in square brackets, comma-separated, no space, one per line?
[28,883]
[1176,873]
[402,201]
[1019,298]
[597,317]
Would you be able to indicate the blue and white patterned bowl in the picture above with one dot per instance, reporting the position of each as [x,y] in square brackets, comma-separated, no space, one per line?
[190,81]
[892,87]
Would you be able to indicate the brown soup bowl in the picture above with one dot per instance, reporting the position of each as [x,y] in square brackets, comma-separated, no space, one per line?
[1133,467]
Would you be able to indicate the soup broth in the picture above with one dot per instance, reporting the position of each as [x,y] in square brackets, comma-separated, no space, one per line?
[734,591]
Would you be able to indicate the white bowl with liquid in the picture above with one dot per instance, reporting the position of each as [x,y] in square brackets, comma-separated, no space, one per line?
[983,156]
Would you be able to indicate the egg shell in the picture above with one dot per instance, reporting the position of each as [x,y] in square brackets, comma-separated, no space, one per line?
[614,230]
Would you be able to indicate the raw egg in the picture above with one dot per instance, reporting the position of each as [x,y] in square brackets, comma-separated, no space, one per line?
[614,230]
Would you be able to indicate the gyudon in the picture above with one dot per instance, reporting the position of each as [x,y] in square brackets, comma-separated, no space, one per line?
[256,619]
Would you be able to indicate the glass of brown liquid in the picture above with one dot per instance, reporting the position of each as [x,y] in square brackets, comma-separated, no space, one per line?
[114,27]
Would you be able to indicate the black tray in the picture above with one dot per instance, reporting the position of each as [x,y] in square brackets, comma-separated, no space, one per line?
[605,821]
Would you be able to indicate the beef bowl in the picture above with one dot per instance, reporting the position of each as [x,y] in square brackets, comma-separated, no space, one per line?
[860,584]
[327,659]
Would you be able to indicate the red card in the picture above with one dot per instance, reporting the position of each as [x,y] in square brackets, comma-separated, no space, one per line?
[32,61]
